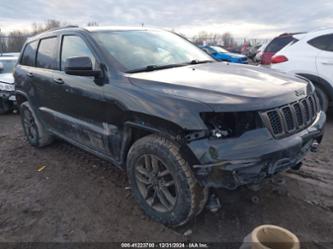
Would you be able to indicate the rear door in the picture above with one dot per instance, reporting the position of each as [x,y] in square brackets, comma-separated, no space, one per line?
[324,58]
[24,71]
[43,75]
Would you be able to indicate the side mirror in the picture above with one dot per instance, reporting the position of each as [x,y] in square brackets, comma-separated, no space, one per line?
[80,66]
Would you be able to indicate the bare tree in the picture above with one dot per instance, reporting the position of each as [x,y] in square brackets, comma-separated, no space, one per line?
[41,27]
[228,40]
[92,23]
[15,41]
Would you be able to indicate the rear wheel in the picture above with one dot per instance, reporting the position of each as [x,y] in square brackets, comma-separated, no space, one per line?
[323,98]
[5,106]
[35,133]
[162,182]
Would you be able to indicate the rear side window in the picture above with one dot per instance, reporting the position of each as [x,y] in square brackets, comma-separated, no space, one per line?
[46,55]
[324,42]
[74,46]
[278,43]
[29,54]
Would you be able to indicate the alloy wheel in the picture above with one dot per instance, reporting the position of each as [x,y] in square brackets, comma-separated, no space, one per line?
[156,184]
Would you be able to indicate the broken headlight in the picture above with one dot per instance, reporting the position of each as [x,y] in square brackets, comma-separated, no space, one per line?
[231,124]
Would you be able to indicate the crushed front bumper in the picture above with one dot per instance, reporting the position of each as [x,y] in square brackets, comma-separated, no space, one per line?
[256,155]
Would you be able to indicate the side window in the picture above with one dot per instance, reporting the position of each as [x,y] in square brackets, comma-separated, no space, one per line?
[46,54]
[324,42]
[74,46]
[29,54]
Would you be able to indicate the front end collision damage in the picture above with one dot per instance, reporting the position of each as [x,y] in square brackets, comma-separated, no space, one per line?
[253,156]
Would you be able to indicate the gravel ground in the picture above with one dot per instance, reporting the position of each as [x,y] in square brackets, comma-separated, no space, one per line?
[80,198]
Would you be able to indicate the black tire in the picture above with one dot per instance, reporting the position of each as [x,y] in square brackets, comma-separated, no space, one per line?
[5,106]
[323,99]
[35,133]
[186,195]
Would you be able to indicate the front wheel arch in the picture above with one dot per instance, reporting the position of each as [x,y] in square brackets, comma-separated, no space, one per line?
[321,83]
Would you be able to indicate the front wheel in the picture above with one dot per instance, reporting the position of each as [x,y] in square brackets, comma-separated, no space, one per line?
[5,106]
[162,182]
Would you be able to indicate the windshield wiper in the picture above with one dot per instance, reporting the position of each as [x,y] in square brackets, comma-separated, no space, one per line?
[193,62]
[150,68]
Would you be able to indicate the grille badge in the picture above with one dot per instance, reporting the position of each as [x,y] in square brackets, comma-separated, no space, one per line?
[300,92]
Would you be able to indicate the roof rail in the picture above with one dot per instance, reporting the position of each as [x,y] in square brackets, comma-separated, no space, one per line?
[58,28]
[63,27]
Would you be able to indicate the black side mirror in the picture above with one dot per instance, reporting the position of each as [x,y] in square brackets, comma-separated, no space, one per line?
[80,66]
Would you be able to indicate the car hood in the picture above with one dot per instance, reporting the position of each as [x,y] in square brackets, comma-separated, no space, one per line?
[224,86]
[7,78]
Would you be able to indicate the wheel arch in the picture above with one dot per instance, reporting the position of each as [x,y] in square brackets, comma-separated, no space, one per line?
[143,125]
[320,82]
[21,97]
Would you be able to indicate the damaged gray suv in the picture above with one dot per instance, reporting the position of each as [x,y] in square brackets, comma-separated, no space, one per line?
[155,105]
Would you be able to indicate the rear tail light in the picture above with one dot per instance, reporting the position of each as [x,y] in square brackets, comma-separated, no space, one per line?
[279,59]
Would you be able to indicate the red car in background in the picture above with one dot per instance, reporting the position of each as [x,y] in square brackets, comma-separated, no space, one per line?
[276,45]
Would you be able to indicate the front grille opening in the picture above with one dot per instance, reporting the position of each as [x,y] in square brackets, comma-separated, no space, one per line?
[307,111]
[289,118]
[275,122]
[299,115]
[313,109]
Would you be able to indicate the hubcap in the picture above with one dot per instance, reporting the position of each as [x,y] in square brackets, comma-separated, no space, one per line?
[29,125]
[156,184]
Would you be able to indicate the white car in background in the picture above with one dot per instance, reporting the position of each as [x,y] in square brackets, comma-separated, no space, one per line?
[7,87]
[310,55]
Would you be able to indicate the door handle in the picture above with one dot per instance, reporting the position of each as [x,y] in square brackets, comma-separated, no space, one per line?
[58,81]
[29,74]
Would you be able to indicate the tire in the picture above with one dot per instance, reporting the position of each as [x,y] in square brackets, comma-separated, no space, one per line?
[156,155]
[35,133]
[323,98]
[5,106]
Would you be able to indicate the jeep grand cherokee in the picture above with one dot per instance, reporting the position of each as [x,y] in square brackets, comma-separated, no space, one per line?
[157,106]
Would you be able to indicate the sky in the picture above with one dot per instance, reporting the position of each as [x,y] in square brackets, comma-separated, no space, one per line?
[243,18]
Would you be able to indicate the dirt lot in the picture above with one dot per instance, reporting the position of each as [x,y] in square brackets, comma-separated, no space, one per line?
[78,197]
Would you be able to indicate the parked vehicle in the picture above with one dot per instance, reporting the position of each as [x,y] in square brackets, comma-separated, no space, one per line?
[275,45]
[310,56]
[7,89]
[154,104]
[260,51]
[253,50]
[222,54]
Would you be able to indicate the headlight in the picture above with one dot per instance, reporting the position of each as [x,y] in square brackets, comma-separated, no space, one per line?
[231,124]
[7,87]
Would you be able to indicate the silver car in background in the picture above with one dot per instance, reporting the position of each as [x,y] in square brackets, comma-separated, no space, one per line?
[7,88]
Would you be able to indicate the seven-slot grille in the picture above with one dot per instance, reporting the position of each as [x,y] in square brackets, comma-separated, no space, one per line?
[289,119]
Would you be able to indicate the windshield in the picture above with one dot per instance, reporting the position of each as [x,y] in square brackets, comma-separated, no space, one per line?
[139,49]
[219,49]
[7,66]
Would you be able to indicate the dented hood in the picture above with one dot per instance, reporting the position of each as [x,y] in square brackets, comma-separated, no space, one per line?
[225,87]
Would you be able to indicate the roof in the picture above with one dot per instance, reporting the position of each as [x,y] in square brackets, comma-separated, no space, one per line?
[116,28]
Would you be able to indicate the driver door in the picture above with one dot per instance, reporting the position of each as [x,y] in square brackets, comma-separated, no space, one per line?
[80,111]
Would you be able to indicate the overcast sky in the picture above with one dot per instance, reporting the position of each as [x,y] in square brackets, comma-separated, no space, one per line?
[243,18]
